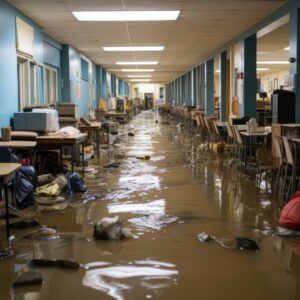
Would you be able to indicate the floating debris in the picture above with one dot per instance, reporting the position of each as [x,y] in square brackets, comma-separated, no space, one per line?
[28,278]
[25,223]
[238,243]
[49,200]
[146,157]
[59,263]
[110,228]
[112,165]
[130,134]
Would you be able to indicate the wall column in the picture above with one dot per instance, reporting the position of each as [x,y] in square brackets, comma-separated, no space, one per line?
[248,107]
[223,86]
[209,87]
[295,53]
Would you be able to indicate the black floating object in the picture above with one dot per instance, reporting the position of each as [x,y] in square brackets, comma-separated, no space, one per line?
[113,165]
[204,237]
[28,278]
[114,132]
[60,263]
[243,243]
[25,224]
[43,262]
[68,264]
[130,134]
[156,121]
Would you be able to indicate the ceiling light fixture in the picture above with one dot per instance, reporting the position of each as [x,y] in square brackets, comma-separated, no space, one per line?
[286,48]
[271,62]
[140,80]
[137,70]
[136,63]
[217,71]
[159,15]
[134,48]
[139,76]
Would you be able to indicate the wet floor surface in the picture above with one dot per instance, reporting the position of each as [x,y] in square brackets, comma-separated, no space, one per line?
[165,202]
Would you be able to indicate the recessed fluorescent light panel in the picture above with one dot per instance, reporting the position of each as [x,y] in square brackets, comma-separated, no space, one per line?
[139,76]
[140,80]
[137,70]
[262,69]
[129,63]
[134,48]
[115,16]
[271,62]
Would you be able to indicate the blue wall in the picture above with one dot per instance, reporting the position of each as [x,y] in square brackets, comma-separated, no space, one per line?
[8,64]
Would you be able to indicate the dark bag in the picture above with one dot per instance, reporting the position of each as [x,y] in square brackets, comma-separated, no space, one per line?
[25,182]
[75,183]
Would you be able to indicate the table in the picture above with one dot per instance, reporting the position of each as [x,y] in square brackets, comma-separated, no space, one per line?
[27,145]
[7,174]
[94,127]
[59,141]
[23,135]
[115,115]
[291,130]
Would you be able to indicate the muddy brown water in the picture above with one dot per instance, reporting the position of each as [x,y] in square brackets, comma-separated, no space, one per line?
[165,201]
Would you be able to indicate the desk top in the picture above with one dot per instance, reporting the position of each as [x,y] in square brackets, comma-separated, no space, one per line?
[259,133]
[291,125]
[7,169]
[115,113]
[18,144]
[94,126]
[61,139]
[23,135]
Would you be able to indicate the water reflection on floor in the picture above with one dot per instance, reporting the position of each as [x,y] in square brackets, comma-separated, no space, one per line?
[166,201]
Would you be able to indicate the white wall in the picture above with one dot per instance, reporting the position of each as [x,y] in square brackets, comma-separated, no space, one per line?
[272,81]
[147,88]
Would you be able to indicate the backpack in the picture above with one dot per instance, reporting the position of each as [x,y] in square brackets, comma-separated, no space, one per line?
[290,214]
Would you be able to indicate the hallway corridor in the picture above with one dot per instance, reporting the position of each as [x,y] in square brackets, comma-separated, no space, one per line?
[165,202]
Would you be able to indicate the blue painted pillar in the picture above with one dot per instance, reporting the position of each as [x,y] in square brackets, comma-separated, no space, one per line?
[98,83]
[103,83]
[248,106]
[295,52]
[223,86]
[209,87]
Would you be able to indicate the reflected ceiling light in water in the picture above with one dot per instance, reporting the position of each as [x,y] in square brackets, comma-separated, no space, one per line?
[286,48]
[273,62]
[108,279]
[157,207]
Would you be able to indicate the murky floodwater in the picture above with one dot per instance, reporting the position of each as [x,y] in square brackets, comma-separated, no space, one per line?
[165,201]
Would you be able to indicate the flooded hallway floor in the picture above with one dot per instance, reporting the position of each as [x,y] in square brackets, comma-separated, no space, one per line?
[165,202]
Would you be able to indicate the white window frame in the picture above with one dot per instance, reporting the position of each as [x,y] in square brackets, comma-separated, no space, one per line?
[27,85]
[50,85]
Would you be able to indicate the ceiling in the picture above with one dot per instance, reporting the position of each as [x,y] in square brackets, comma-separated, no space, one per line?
[202,27]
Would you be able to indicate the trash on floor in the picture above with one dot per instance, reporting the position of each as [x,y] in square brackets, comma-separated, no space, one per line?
[51,190]
[112,165]
[238,243]
[59,263]
[75,184]
[28,278]
[44,179]
[110,228]
[44,233]
[145,157]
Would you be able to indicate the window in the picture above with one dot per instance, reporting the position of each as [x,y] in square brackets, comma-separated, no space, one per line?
[27,82]
[50,85]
